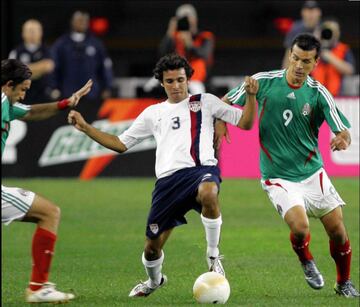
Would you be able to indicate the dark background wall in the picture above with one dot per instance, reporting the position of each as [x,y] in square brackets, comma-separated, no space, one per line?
[247,40]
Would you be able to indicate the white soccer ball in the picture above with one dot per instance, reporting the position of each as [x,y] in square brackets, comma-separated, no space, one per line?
[211,288]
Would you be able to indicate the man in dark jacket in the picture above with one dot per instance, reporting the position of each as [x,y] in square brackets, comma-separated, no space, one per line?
[78,56]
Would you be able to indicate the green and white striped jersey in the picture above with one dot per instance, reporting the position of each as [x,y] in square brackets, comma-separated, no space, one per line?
[9,112]
[289,122]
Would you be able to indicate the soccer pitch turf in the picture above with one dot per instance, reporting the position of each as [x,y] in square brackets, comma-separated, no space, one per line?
[101,238]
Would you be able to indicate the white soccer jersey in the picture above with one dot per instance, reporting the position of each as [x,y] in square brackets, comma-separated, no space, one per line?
[183,131]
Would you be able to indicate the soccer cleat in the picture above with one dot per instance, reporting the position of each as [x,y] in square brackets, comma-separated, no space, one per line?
[47,294]
[214,264]
[346,289]
[312,275]
[143,289]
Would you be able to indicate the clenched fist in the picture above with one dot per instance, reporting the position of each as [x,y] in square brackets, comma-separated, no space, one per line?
[251,85]
[76,119]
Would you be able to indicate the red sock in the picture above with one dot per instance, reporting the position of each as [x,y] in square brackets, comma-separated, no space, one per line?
[301,248]
[42,251]
[342,256]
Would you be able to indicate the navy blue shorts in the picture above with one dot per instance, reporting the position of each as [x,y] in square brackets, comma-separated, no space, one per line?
[175,195]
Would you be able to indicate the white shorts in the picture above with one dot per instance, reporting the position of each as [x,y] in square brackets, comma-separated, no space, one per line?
[15,203]
[316,194]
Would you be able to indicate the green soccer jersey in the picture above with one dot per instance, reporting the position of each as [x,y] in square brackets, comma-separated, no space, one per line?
[9,112]
[289,122]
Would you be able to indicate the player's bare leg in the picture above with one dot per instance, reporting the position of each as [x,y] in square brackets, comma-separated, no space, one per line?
[152,258]
[47,217]
[298,223]
[340,250]
[211,218]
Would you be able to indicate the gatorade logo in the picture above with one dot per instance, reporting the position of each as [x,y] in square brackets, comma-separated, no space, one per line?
[69,145]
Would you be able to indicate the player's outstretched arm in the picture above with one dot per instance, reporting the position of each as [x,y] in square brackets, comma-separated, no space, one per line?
[45,110]
[105,139]
[341,141]
[247,119]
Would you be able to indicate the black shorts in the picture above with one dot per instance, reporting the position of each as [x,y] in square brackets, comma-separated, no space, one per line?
[175,195]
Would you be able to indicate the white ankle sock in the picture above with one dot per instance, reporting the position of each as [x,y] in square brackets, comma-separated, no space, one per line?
[212,230]
[153,270]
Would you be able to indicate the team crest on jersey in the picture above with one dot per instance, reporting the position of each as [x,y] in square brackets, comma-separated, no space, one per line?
[306,109]
[195,106]
[154,228]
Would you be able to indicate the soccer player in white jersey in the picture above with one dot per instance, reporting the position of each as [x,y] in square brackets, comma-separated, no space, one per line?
[292,107]
[26,206]
[186,168]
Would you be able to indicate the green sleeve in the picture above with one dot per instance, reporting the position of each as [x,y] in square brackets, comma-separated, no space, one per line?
[333,116]
[237,95]
[19,110]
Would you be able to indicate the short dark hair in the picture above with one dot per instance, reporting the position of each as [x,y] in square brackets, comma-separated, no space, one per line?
[307,42]
[172,61]
[15,71]
[310,5]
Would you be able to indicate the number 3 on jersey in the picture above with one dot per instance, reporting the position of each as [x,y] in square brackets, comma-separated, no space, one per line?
[287,115]
[176,122]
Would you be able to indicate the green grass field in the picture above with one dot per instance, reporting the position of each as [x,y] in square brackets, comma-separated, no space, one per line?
[101,237]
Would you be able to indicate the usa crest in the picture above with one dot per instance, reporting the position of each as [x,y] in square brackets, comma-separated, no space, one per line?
[154,228]
[306,109]
[195,106]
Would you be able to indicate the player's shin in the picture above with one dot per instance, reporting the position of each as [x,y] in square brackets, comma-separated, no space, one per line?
[153,269]
[42,252]
[341,253]
[212,230]
[301,247]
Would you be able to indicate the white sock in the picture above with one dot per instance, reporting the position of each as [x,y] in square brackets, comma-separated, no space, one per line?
[153,270]
[212,230]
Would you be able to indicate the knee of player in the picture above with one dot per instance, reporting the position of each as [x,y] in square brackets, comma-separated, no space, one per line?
[152,253]
[54,213]
[337,231]
[208,194]
[300,229]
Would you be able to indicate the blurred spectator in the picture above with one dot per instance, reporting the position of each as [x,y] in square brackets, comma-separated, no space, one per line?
[79,56]
[336,58]
[36,56]
[310,20]
[184,38]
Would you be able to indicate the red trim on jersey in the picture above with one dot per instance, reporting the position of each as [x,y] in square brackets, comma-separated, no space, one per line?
[295,87]
[193,136]
[311,154]
[261,144]
[6,127]
[321,182]
[268,182]
[195,120]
